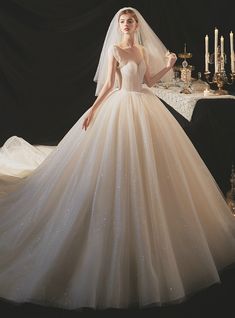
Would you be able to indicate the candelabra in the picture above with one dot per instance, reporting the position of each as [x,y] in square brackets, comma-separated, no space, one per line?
[230,198]
[220,77]
[185,71]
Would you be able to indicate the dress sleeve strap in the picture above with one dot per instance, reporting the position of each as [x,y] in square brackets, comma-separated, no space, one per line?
[113,51]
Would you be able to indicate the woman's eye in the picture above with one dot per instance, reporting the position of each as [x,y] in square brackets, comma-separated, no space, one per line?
[128,21]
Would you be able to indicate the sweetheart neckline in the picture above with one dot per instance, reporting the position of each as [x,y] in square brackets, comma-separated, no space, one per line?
[138,64]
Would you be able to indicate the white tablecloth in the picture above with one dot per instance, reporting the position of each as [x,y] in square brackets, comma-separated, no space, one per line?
[183,103]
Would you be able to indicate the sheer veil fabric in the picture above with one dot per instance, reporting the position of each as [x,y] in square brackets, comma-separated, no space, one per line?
[123,214]
[155,49]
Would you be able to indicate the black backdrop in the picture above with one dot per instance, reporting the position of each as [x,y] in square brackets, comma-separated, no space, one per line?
[49,51]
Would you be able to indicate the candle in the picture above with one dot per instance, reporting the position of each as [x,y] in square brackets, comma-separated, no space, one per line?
[232,52]
[206,92]
[206,53]
[216,50]
[222,52]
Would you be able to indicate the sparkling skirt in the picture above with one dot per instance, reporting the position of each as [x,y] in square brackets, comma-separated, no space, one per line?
[124,213]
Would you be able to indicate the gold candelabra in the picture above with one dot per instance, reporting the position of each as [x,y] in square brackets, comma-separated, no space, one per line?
[185,70]
[220,77]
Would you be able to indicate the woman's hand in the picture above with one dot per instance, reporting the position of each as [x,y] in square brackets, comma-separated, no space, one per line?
[88,119]
[171,59]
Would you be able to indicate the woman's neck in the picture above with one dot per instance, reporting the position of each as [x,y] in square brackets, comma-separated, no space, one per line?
[127,41]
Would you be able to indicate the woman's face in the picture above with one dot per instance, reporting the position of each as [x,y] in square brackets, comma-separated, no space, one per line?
[127,24]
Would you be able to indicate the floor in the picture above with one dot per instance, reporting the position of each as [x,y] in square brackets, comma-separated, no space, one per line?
[216,301]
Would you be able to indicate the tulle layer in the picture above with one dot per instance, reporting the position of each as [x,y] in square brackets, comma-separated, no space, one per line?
[123,213]
[18,158]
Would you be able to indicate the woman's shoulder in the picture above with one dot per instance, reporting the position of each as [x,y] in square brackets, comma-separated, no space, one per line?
[117,47]
[113,51]
[113,47]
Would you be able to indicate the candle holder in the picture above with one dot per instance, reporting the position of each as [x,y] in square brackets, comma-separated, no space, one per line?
[186,70]
[219,78]
[186,76]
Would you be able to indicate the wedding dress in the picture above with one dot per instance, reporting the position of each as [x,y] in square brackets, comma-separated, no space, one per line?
[124,213]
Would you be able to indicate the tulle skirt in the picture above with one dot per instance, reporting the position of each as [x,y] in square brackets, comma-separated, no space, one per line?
[124,213]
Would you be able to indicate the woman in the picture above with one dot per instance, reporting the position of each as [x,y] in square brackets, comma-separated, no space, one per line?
[124,211]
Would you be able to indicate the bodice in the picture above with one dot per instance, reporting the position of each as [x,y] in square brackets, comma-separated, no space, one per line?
[131,69]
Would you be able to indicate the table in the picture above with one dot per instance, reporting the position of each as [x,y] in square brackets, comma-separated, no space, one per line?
[210,124]
[184,103]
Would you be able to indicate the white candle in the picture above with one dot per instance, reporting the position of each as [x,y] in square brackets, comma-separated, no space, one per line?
[206,53]
[222,52]
[232,52]
[216,50]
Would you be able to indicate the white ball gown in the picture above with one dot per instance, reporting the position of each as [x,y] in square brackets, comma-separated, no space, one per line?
[124,213]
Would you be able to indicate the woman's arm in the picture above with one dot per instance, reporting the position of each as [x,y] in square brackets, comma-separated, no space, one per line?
[151,80]
[106,89]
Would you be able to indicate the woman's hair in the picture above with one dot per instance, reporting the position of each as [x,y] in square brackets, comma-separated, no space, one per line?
[128,11]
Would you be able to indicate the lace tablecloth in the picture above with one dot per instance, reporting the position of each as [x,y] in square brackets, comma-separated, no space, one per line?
[183,103]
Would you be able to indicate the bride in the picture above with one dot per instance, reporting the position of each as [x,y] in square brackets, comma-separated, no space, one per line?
[123,211]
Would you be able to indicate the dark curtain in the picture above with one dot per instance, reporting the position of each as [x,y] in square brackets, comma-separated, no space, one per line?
[49,50]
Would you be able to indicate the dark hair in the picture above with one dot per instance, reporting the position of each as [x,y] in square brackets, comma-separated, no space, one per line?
[128,11]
